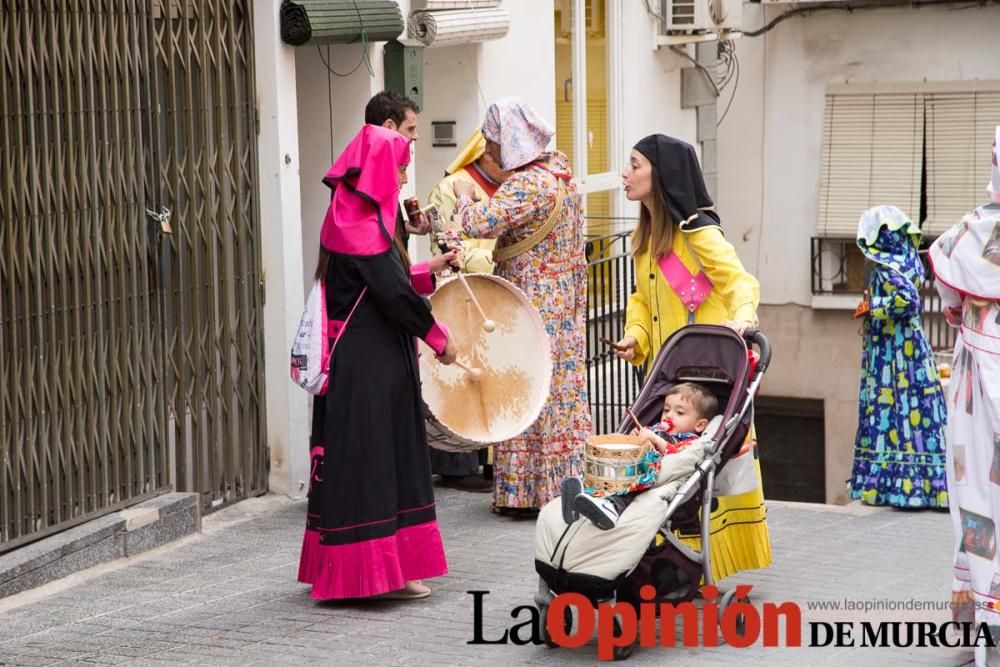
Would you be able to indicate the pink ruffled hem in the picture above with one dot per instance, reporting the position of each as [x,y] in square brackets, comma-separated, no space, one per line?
[372,567]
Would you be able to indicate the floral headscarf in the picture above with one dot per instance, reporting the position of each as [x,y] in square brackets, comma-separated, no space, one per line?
[886,236]
[521,133]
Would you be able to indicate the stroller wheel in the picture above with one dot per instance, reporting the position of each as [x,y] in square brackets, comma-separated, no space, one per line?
[623,652]
[728,598]
[543,611]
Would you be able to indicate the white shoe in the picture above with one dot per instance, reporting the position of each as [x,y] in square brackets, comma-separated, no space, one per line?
[601,512]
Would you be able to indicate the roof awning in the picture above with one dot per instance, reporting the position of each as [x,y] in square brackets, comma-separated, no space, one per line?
[446,27]
[339,21]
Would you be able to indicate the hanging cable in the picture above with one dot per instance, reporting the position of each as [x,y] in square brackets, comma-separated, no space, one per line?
[365,60]
[736,84]
[708,75]
[801,11]
[475,75]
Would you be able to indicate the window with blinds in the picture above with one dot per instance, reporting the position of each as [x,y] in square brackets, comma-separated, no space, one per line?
[924,148]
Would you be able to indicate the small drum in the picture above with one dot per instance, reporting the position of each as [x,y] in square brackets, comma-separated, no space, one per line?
[611,462]
[515,360]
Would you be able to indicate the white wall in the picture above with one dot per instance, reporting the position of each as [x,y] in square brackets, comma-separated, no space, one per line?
[770,147]
[331,110]
[461,81]
[770,144]
[287,406]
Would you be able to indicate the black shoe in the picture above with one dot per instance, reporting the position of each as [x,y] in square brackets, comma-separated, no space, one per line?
[570,488]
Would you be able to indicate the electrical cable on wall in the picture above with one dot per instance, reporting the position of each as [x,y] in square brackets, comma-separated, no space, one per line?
[801,11]
[475,75]
[735,75]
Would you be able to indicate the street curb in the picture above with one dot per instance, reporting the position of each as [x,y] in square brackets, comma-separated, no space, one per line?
[131,531]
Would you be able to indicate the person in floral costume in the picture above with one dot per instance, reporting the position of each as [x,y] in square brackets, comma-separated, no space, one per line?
[538,194]
[899,453]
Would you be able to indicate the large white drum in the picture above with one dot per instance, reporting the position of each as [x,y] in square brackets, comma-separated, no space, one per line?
[514,359]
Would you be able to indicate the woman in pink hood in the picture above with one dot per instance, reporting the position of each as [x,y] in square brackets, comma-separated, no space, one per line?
[371,527]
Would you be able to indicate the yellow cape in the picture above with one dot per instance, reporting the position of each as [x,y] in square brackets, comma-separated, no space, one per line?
[471,151]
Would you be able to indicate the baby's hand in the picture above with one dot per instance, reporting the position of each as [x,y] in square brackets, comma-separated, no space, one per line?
[634,431]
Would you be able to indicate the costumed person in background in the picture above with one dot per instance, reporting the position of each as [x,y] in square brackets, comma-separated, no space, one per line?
[473,165]
[966,263]
[687,272]
[899,457]
[371,527]
[536,215]
[460,470]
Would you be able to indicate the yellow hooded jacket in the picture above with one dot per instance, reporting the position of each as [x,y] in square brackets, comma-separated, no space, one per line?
[654,310]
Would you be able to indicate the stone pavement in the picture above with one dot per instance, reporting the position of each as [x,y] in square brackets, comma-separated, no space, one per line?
[229,597]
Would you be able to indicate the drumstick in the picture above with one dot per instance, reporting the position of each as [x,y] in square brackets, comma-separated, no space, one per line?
[614,346]
[488,324]
[634,418]
[475,374]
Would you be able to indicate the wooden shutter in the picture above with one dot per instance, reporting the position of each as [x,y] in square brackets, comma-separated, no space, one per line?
[872,154]
[960,129]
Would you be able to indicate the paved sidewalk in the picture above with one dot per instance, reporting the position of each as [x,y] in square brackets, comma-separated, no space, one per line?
[229,597]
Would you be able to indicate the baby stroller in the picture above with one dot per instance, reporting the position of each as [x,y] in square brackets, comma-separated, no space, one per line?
[612,565]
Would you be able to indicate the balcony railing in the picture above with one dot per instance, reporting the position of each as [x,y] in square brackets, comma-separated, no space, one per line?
[838,267]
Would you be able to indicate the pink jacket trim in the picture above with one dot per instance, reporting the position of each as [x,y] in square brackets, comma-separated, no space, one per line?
[422,279]
[436,337]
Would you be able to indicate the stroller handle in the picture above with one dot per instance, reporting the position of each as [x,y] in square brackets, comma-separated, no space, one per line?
[755,337]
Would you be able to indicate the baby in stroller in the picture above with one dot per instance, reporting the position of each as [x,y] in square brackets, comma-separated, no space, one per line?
[687,410]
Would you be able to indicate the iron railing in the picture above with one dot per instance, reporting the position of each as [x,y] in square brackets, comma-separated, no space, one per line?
[612,384]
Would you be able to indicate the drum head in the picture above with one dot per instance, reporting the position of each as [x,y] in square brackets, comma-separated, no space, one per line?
[515,360]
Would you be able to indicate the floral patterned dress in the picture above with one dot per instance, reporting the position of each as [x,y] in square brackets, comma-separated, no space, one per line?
[528,469]
[899,452]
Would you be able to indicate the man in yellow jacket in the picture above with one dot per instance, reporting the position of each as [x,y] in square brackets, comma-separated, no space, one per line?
[474,165]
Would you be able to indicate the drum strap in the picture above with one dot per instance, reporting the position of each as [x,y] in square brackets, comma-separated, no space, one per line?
[524,245]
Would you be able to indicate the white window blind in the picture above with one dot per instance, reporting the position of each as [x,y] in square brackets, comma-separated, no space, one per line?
[960,127]
[872,154]
[904,143]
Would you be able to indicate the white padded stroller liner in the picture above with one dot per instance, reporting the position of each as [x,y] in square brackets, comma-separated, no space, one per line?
[610,553]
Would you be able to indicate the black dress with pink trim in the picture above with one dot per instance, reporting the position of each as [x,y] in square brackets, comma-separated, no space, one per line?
[371,523]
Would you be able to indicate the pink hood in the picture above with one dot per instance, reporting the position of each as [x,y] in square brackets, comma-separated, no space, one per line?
[365,183]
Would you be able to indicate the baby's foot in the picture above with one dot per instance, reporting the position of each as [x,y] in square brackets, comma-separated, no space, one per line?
[601,513]
[570,488]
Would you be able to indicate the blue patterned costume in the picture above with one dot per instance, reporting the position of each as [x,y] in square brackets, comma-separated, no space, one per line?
[899,455]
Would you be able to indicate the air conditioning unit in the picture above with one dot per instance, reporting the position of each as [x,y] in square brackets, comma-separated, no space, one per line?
[696,16]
